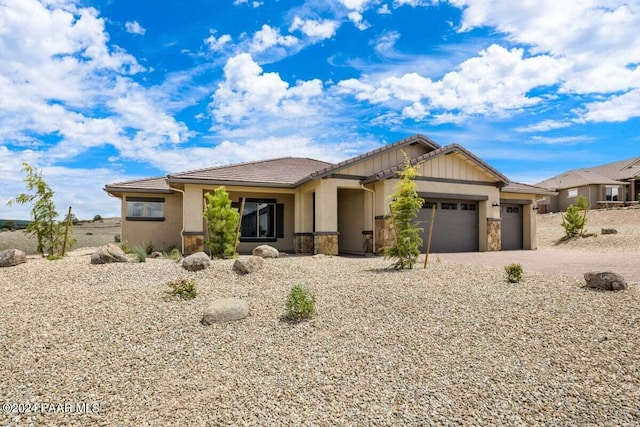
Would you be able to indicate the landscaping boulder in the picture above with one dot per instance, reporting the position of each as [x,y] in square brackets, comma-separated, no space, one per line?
[266,251]
[248,264]
[197,261]
[107,254]
[608,231]
[225,310]
[156,254]
[12,257]
[605,280]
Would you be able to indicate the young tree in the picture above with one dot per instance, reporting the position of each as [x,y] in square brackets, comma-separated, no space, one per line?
[405,207]
[574,220]
[222,222]
[49,232]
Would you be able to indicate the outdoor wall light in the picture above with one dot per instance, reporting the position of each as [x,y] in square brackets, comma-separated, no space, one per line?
[495,204]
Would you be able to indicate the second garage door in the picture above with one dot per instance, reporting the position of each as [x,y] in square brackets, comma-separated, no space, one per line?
[455,228]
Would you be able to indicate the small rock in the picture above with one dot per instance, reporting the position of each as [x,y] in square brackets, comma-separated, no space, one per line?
[266,251]
[155,254]
[605,280]
[608,231]
[225,310]
[197,261]
[107,254]
[12,257]
[248,264]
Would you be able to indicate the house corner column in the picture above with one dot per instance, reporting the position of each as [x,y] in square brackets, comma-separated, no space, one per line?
[494,236]
[325,237]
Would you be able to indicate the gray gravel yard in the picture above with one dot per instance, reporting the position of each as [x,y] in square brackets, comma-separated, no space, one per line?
[452,345]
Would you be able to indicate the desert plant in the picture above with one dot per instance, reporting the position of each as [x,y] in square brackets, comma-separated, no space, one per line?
[124,245]
[175,254]
[300,304]
[404,209]
[97,218]
[116,238]
[9,224]
[49,232]
[140,253]
[54,257]
[514,272]
[149,248]
[222,222]
[182,289]
[574,220]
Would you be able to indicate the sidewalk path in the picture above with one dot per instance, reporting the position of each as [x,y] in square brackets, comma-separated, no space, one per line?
[570,263]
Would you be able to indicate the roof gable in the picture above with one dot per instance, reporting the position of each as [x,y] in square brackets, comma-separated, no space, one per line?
[449,149]
[426,144]
[577,178]
[145,185]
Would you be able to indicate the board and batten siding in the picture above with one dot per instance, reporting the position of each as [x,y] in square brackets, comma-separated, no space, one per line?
[382,161]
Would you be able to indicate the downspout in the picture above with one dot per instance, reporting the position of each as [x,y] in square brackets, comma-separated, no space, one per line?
[183,218]
[373,216]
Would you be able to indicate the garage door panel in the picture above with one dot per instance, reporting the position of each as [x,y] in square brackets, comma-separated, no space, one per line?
[455,227]
[512,226]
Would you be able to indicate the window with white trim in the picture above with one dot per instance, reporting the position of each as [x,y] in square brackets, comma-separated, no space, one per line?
[611,194]
[572,192]
[145,208]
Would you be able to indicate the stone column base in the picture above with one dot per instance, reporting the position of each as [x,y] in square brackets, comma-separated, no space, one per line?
[325,243]
[193,242]
[494,234]
[384,233]
[303,243]
[367,241]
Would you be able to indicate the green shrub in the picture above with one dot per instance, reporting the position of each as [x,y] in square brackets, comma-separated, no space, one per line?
[149,248]
[116,238]
[222,221]
[574,220]
[140,253]
[175,254]
[182,289]
[9,224]
[514,272]
[54,257]
[124,245]
[97,218]
[300,304]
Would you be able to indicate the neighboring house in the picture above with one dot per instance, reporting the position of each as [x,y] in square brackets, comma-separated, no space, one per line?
[308,206]
[609,185]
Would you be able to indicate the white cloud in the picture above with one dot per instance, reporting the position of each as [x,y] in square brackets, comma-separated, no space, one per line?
[562,140]
[315,29]
[247,91]
[618,108]
[385,43]
[412,3]
[384,10]
[269,37]
[134,27]
[217,44]
[544,126]
[357,20]
[494,82]
[358,5]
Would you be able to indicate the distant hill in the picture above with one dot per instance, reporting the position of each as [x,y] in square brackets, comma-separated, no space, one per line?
[17,224]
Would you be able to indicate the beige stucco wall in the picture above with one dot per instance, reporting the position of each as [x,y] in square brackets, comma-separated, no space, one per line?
[529,218]
[160,234]
[351,216]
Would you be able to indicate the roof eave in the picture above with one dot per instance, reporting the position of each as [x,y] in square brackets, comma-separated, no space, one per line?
[171,180]
[536,192]
[113,190]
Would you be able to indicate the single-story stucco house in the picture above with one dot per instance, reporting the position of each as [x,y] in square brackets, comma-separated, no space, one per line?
[303,205]
[610,185]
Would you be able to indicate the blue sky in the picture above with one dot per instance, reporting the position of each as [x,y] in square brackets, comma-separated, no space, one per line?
[99,91]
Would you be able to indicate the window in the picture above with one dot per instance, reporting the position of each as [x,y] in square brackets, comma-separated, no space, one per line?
[262,220]
[449,206]
[572,192]
[467,206]
[513,209]
[145,209]
[429,205]
[611,194]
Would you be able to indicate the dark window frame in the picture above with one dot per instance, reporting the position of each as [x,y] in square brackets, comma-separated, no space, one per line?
[277,222]
[145,209]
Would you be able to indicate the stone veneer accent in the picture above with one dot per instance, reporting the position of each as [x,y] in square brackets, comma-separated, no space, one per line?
[494,236]
[384,234]
[367,241]
[303,243]
[325,243]
[193,242]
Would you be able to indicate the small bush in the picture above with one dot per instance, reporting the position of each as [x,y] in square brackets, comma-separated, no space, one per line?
[9,225]
[97,218]
[514,272]
[116,238]
[140,253]
[300,304]
[54,257]
[124,245]
[149,248]
[182,289]
[574,220]
[175,254]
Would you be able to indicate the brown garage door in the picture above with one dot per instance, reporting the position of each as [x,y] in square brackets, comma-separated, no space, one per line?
[455,228]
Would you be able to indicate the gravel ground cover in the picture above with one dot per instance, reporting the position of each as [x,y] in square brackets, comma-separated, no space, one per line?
[450,345]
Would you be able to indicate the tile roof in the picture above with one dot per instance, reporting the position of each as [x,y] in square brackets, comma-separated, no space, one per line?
[623,169]
[285,171]
[452,148]
[148,185]
[518,187]
[577,178]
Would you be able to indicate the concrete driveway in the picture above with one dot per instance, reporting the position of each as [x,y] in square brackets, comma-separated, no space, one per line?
[570,263]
